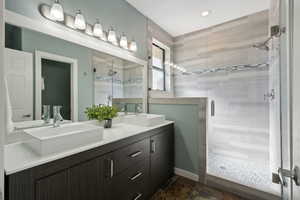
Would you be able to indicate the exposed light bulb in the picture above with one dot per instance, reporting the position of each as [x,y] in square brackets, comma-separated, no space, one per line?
[112,36]
[98,30]
[133,46]
[124,42]
[57,11]
[79,21]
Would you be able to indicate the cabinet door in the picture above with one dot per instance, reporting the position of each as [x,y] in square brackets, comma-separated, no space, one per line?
[86,180]
[161,159]
[54,187]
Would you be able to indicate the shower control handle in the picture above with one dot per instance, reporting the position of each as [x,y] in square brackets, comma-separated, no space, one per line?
[270,95]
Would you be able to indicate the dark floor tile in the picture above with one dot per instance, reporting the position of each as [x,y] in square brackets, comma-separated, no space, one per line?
[184,189]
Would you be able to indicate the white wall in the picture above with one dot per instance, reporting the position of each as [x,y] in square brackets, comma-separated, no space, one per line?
[1,98]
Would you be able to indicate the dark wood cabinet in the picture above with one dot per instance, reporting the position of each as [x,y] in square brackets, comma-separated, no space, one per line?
[161,159]
[54,187]
[87,180]
[129,169]
[131,182]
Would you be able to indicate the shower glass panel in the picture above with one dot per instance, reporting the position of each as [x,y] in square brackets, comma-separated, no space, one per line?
[223,65]
[238,133]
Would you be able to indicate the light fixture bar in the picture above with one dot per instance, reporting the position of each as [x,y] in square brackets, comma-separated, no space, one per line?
[56,13]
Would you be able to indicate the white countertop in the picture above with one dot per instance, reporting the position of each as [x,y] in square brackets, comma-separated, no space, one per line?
[18,156]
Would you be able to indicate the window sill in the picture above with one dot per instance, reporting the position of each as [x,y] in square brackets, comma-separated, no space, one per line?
[160,94]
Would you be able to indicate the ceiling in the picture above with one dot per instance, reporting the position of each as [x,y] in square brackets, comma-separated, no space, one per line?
[178,17]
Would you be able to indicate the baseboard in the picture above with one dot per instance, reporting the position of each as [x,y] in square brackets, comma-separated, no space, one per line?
[186,174]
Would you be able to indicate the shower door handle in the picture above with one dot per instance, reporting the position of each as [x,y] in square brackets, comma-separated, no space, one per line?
[270,95]
[212,108]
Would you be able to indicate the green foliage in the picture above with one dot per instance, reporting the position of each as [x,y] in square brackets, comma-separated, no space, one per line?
[101,112]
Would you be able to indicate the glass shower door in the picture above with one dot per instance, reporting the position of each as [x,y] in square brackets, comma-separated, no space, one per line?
[238,129]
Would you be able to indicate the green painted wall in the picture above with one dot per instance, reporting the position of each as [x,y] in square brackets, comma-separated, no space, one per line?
[186,119]
[117,13]
[32,41]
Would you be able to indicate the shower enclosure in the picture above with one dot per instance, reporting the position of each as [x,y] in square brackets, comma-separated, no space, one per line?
[229,64]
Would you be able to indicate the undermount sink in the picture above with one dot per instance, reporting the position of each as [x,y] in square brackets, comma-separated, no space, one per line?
[48,140]
[144,119]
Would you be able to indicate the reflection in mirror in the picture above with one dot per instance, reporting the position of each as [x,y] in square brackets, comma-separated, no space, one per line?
[118,82]
[42,72]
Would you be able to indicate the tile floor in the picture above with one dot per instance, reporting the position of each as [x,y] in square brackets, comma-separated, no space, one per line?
[184,189]
[248,173]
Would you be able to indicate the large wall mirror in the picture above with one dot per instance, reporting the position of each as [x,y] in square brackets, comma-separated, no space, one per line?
[43,70]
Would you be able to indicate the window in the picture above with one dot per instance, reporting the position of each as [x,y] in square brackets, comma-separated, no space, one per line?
[158,68]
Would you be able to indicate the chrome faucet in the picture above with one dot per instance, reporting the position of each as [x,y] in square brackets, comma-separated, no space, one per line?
[57,118]
[138,108]
[124,108]
[46,114]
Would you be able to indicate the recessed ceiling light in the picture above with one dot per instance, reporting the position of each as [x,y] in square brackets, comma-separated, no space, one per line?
[205,13]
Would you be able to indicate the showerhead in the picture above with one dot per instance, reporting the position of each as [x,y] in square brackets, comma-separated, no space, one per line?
[111,72]
[261,46]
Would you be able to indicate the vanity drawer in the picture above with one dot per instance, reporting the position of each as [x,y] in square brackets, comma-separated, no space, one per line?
[132,183]
[130,155]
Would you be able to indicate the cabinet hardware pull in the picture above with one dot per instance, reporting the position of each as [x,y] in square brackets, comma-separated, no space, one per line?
[26,116]
[153,146]
[136,176]
[111,168]
[138,196]
[135,154]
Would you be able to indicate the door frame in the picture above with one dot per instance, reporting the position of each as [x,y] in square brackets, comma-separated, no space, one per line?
[287,67]
[2,100]
[29,80]
[39,55]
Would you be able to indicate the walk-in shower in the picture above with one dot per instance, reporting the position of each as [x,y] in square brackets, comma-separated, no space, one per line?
[223,65]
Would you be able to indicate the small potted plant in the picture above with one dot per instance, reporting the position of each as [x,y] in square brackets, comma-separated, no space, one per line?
[102,113]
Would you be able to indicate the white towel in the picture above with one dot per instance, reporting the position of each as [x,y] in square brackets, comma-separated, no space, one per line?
[9,121]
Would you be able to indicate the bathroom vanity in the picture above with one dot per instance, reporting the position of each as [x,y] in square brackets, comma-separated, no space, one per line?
[131,162]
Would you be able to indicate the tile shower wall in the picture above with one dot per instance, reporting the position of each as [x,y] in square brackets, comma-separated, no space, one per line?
[238,132]
[132,81]
[223,45]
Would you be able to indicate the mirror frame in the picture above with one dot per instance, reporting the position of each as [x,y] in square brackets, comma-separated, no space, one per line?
[39,55]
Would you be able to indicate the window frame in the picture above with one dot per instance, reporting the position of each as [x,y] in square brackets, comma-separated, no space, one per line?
[163,64]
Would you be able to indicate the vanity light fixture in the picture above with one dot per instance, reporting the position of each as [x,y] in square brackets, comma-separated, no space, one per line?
[205,13]
[133,46]
[112,36]
[123,41]
[57,12]
[97,29]
[79,22]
